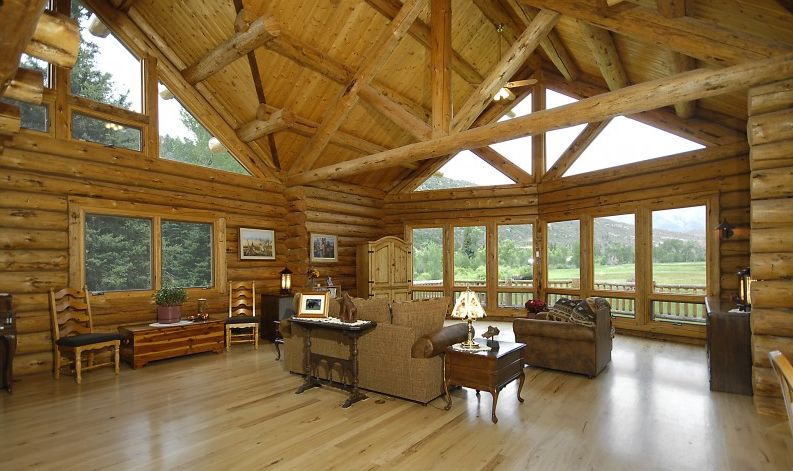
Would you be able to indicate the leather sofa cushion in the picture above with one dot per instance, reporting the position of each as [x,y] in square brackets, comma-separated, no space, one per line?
[554,329]
[425,316]
[373,309]
[436,343]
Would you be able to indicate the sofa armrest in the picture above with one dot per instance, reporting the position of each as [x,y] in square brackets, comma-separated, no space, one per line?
[553,329]
[433,344]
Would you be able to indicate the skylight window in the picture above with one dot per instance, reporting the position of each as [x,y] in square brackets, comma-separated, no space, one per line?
[462,171]
[517,151]
[626,141]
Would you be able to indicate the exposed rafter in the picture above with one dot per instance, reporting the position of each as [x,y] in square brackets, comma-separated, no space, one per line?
[696,38]
[680,63]
[277,121]
[503,165]
[374,60]
[398,114]
[441,15]
[514,58]
[605,53]
[645,96]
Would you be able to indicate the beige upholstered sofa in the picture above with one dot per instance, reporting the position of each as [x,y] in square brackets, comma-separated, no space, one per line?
[391,357]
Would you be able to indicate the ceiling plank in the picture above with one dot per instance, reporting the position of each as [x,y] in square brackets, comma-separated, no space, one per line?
[277,121]
[696,38]
[605,53]
[672,8]
[645,96]
[262,30]
[575,149]
[441,55]
[503,165]
[679,63]
[375,59]
[18,22]
[508,65]
[421,32]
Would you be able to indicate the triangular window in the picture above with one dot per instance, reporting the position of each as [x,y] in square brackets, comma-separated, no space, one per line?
[184,139]
[464,170]
[517,151]
[626,141]
[557,141]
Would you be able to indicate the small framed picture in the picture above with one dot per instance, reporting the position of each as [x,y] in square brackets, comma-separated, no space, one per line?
[323,248]
[313,304]
[257,244]
[333,291]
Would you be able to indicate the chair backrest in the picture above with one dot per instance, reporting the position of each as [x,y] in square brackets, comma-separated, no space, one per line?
[784,373]
[70,311]
[242,298]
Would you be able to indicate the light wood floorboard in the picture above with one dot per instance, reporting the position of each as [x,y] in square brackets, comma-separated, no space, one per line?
[650,410]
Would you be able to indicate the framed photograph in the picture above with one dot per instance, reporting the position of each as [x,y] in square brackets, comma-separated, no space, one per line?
[333,291]
[323,248]
[257,244]
[313,304]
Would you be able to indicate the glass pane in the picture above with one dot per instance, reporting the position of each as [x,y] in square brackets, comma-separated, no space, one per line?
[615,253]
[622,307]
[469,256]
[464,170]
[117,253]
[515,256]
[105,70]
[517,300]
[679,248]
[88,128]
[564,254]
[35,117]
[558,140]
[517,151]
[186,254]
[687,313]
[428,257]
[184,139]
[29,62]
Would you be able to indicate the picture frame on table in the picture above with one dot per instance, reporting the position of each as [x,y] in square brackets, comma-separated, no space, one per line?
[313,304]
[324,248]
[257,244]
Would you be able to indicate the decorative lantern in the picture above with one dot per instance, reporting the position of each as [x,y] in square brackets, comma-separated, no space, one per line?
[744,289]
[286,281]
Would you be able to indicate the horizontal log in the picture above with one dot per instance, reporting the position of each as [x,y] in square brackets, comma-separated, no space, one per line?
[350,188]
[23,200]
[463,193]
[765,382]
[36,363]
[463,204]
[769,98]
[772,294]
[32,282]
[9,119]
[33,219]
[307,192]
[770,127]
[734,247]
[733,263]
[20,239]
[313,204]
[34,260]
[762,344]
[56,40]
[772,266]
[770,212]
[772,321]
[734,199]
[773,155]
[772,239]
[773,183]
[27,86]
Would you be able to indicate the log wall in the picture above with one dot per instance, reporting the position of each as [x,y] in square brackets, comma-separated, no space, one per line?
[39,174]
[770,129]
[351,212]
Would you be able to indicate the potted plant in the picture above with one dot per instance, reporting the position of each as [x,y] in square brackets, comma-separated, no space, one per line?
[169,304]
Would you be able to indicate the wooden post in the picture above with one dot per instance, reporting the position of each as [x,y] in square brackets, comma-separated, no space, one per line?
[441,67]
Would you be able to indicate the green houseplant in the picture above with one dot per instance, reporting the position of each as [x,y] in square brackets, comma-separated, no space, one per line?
[169,301]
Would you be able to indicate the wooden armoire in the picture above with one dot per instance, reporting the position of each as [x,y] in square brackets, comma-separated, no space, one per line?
[385,269]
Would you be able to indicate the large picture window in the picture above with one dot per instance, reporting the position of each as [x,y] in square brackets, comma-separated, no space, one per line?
[118,253]
[515,264]
[564,254]
[186,253]
[470,244]
[615,253]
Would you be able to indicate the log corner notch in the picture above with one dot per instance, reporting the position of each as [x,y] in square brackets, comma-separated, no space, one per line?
[261,31]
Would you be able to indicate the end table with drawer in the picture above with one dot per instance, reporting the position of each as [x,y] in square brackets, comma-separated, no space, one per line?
[484,370]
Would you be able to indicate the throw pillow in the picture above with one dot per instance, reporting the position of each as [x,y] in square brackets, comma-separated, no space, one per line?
[372,309]
[425,316]
[567,310]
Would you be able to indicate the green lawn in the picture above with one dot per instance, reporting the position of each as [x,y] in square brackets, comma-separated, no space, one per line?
[688,273]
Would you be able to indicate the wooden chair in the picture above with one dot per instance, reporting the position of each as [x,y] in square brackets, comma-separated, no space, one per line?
[73,333]
[784,373]
[242,314]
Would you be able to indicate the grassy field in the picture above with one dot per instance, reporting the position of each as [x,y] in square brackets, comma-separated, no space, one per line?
[689,273]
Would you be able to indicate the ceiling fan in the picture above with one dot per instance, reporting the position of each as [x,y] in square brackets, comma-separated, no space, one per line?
[505,92]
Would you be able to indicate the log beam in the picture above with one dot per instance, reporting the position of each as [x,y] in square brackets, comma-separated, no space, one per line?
[398,114]
[56,40]
[441,55]
[375,59]
[26,86]
[672,8]
[605,53]
[680,63]
[262,30]
[421,32]
[575,149]
[278,121]
[645,96]
[696,38]
[17,22]
[505,69]
[503,165]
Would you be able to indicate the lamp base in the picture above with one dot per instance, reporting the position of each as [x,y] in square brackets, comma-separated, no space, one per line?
[469,345]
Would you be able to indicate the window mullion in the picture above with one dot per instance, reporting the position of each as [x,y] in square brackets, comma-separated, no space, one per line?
[156,249]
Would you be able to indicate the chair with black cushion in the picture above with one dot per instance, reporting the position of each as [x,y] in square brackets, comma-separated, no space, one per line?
[73,333]
[242,326]
[784,373]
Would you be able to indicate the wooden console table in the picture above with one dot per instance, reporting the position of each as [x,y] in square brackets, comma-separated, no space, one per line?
[144,343]
[485,370]
[311,360]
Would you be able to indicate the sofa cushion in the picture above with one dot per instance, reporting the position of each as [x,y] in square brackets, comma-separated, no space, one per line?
[372,309]
[425,316]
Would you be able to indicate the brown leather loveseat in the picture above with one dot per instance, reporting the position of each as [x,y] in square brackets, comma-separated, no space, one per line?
[581,346]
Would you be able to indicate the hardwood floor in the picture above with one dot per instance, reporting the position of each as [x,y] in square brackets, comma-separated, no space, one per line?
[650,410]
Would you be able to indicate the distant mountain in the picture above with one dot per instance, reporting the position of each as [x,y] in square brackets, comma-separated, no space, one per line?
[439,182]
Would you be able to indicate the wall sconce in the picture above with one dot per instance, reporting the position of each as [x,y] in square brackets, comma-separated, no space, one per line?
[725,229]
[286,281]
[744,300]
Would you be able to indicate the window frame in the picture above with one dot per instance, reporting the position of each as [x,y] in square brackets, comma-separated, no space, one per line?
[79,207]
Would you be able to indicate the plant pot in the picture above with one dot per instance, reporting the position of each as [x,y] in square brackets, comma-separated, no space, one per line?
[169,314]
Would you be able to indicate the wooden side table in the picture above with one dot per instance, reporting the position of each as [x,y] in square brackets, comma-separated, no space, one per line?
[484,371]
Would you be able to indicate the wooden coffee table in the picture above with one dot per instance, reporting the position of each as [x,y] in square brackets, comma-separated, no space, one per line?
[144,343]
[484,371]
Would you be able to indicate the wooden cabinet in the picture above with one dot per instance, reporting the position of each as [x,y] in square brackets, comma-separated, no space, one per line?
[274,307]
[729,349]
[385,269]
[8,342]
[144,343]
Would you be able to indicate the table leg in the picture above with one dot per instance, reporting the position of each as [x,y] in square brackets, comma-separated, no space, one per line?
[494,392]
[309,380]
[355,394]
[448,396]
[520,385]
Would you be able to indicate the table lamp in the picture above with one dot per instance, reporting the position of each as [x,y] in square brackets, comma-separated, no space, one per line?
[468,308]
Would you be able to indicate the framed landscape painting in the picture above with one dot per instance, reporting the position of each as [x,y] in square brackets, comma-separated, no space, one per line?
[323,248]
[257,244]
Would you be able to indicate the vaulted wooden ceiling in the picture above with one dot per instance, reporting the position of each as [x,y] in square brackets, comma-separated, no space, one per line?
[314,49]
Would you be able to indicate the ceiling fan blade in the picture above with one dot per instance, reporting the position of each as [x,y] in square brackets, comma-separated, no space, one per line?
[520,83]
